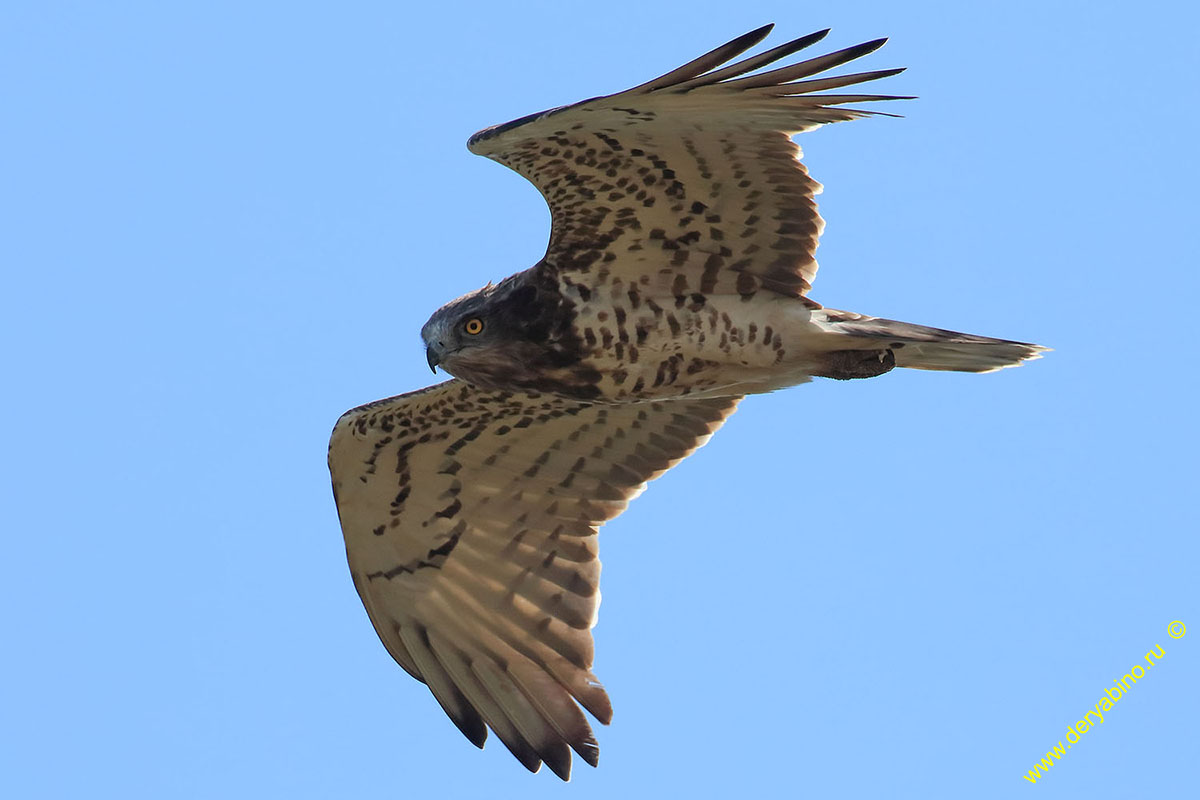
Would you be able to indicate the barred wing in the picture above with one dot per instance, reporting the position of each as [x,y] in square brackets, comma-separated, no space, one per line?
[690,182]
[471,521]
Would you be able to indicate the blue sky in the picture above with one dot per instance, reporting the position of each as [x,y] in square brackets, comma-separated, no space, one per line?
[224,224]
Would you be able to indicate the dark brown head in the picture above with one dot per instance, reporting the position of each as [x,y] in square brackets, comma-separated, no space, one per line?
[509,336]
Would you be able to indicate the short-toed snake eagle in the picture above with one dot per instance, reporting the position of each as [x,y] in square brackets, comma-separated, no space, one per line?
[676,281]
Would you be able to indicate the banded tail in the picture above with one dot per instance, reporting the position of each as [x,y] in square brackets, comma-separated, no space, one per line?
[922,347]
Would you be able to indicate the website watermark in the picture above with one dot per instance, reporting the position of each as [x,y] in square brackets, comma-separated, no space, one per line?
[1095,715]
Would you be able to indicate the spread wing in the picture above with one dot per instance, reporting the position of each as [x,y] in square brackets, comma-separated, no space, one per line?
[698,163]
[471,520]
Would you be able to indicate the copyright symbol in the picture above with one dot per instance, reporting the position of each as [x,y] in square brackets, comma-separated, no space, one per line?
[1176,629]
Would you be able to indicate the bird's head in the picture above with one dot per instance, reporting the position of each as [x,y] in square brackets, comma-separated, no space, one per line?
[493,336]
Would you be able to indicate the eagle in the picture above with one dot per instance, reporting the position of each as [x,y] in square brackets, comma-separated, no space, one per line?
[676,281]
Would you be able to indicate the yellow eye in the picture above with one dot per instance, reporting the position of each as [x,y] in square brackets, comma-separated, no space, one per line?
[473,326]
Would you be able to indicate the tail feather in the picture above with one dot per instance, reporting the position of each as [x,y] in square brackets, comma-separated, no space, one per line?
[922,347]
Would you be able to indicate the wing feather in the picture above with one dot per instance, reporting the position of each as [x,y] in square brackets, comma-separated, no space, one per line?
[457,707]
[754,62]
[802,87]
[784,75]
[694,170]
[458,666]
[471,522]
[533,726]
[710,60]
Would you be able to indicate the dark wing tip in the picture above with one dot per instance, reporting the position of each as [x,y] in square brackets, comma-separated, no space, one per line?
[709,61]
[474,736]
[559,762]
[812,38]
[867,47]
[468,721]
[589,751]
[752,63]
[748,40]
[806,41]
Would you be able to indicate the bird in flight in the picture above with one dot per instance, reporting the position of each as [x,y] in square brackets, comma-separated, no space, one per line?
[675,282]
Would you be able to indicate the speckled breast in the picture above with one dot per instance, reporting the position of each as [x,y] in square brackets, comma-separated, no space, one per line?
[672,346]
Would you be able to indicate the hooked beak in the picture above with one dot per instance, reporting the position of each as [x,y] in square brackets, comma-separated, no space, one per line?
[433,357]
